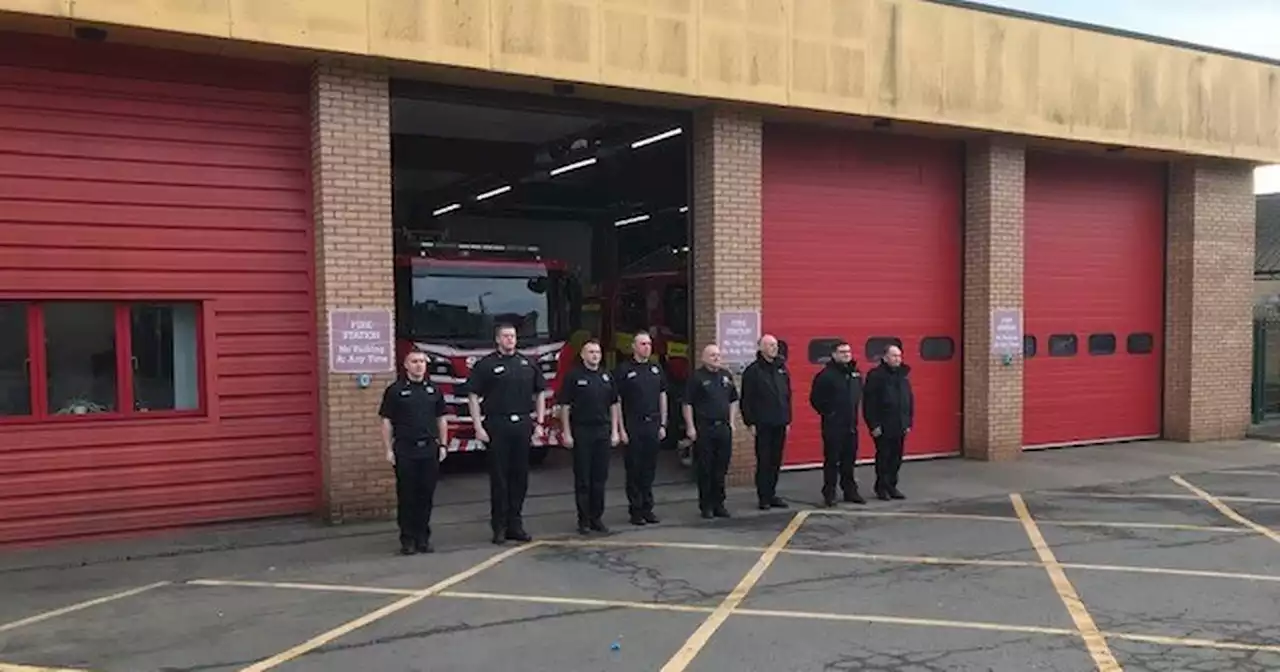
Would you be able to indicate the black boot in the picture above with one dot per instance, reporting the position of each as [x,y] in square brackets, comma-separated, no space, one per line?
[638,519]
[650,518]
[853,497]
[777,503]
[583,528]
[599,526]
[518,534]
[895,493]
[499,537]
[720,512]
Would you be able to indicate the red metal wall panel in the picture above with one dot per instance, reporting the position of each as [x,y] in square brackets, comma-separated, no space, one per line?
[862,239]
[131,174]
[1094,265]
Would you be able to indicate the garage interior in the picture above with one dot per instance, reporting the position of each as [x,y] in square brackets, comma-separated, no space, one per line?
[567,219]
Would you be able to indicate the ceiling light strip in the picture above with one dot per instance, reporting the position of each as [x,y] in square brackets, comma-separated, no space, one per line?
[494,192]
[573,166]
[447,209]
[656,138]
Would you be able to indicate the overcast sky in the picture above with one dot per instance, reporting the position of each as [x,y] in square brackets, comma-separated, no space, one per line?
[1249,26]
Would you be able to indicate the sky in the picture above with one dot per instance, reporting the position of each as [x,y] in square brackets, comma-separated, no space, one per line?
[1247,26]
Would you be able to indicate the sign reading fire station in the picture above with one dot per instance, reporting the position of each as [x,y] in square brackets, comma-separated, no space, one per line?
[360,341]
[737,334]
[1006,331]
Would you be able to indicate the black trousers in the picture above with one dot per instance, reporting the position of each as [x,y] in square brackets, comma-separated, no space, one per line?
[839,454]
[711,453]
[415,491]
[641,461]
[508,453]
[591,444]
[770,442]
[888,460]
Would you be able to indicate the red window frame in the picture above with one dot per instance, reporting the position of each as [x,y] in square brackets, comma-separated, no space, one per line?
[37,373]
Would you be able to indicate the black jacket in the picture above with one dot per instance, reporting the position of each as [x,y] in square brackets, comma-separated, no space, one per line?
[890,403]
[835,394]
[766,393]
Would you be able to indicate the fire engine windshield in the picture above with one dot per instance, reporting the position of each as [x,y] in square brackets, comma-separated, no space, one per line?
[464,302]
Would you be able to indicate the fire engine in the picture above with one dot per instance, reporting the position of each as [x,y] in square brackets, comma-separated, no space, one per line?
[653,294]
[450,298]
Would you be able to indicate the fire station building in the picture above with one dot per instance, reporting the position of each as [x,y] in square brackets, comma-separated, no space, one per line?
[1055,223]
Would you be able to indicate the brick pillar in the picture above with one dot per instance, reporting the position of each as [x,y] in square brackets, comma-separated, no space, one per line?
[1208,328]
[351,178]
[726,236]
[994,196]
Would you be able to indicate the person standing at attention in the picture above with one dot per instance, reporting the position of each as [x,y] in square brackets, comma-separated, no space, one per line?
[834,395]
[708,415]
[589,415]
[506,400]
[766,411]
[889,409]
[414,433]
[642,388]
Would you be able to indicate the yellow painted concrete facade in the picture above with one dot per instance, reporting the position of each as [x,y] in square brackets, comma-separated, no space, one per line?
[900,59]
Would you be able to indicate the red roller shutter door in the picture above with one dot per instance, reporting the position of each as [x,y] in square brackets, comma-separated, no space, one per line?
[1094,296]
[133,175]
[862,241]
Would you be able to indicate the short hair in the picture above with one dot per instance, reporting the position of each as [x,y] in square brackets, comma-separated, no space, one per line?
[642,332]
[502,326]
[415,350]
[589,341]
[840,344]
[891,345]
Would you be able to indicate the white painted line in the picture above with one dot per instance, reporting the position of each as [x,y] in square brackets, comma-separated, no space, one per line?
[38,618]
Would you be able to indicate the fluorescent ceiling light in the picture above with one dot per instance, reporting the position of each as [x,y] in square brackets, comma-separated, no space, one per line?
[684,208]
[656,138]
[494,192]
[632,220]
[573,166]
[447,208]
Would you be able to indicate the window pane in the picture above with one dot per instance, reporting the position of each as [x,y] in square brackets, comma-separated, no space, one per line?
[80,352]
[1028,346]
[165,375]
[1102,344]
[820,349]
[937,348]
[1140,344]
[876,346]
[15,382]
[1062,345]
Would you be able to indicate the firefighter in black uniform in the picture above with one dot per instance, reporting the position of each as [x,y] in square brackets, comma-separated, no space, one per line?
[708,415]
[889,409]
[414,432]
[766,409]
[834,395]
[589,415]
[642,388]
[506,389]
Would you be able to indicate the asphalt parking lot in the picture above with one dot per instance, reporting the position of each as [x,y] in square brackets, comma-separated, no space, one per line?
[1178,573]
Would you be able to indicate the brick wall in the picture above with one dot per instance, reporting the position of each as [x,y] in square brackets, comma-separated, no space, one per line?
[726,236]
[1208,329]
[351,177]
[993,265]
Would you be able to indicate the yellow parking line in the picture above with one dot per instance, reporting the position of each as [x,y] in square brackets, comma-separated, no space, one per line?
[579,602]
[404,603]
[1226,510]
[9,667]
[1153,495]
[1247,472]
[864,618]
[1093,639]
[702,635]
[321,587]
[79,606]
[1014,519]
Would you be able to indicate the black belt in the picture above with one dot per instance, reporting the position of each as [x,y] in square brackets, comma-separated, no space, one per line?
[651,417]
[429,442]
[711,423]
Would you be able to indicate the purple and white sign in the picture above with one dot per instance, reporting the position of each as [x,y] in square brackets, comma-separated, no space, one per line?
[738,335]
[360,341]
[1006,331]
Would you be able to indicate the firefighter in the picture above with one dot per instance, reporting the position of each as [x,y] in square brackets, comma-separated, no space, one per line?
[889,409]
[414,432]
[642,388]
[766,410]
[708,415]
[589,415]
[505,390]
[834,395]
